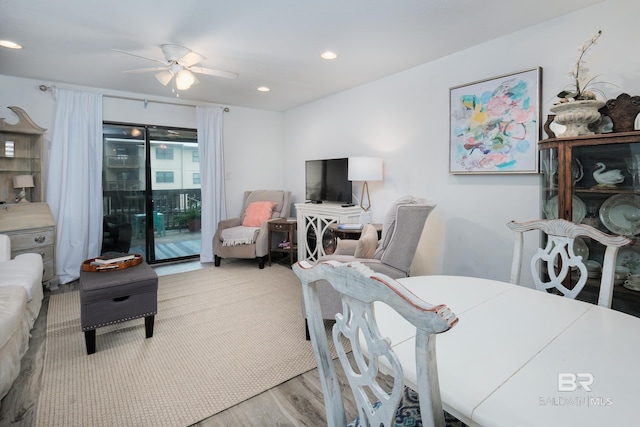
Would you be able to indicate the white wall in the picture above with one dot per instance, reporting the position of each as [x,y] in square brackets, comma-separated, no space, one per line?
[253,139]
[404,118]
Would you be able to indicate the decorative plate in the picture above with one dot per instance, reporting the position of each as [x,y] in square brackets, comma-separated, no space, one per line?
[591,264]
[630,259]
[580,248]
[631,286]
[578,206]
[621,214]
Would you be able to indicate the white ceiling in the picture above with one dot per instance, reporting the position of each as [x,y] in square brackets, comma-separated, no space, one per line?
[274,43]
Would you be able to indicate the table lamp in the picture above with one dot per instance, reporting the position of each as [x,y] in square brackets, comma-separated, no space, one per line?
[365,169]
[23,182]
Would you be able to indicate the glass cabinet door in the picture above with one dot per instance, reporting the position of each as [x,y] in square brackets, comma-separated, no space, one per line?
[549,171]
[609,192]
[609,187]
[605,194]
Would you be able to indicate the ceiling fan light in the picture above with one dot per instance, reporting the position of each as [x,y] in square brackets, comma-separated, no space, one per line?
[184,80]
[164,77]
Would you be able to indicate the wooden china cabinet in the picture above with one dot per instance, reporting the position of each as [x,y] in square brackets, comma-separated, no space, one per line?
[573,169]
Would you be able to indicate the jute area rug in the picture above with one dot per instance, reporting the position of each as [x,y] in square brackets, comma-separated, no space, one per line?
[222,335]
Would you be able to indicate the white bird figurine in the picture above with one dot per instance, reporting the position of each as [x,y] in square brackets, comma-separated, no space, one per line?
[609,178]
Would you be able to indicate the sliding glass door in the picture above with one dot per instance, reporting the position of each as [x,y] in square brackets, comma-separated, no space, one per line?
[174,205]
[151,184]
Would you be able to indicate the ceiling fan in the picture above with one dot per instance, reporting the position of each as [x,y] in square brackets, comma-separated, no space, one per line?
[180,62]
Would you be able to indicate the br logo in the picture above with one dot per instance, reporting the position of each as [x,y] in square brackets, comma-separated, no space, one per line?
[571,382]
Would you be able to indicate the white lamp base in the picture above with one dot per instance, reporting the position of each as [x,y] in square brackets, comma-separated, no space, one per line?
[365,217]
[22,195]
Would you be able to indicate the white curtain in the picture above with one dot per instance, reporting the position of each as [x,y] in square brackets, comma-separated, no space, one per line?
[209,125]
[74,183]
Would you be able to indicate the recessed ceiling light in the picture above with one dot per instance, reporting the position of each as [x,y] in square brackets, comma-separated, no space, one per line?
[9,44]
[263,89]
[328,55]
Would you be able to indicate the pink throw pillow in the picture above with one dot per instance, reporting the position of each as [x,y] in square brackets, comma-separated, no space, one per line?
[257,213]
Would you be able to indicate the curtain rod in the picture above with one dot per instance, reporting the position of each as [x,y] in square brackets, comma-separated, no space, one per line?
[46,88]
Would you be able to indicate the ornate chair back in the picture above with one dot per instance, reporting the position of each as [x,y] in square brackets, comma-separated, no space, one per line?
[359,288]
[558,258]
[393,254]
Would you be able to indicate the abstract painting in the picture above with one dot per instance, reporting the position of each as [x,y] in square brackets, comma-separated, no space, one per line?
[495,124]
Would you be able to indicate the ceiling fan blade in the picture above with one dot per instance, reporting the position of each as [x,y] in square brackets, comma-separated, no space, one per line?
[190,59]
[145,70]
[217,73]
[164,77]
[174,52]
[140,56]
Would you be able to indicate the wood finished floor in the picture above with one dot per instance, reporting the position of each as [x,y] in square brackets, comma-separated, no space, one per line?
[297,402]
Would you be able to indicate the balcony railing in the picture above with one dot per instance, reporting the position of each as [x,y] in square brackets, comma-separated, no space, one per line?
[170,203]
[123,185]
[123,162]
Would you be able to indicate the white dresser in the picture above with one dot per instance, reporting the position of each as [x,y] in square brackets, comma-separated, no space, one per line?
[314,221]
[31,228]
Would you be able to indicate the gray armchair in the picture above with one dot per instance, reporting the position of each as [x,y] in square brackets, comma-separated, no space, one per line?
[256,245]
[391,255]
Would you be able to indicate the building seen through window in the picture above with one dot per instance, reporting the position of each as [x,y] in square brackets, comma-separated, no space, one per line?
[151,180]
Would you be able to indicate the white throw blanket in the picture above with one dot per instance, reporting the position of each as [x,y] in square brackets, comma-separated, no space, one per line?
[239,235]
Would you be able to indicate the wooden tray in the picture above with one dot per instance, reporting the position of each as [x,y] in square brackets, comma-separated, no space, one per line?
[86,265]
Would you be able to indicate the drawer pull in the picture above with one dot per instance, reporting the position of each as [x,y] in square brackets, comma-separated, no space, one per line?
[40,239]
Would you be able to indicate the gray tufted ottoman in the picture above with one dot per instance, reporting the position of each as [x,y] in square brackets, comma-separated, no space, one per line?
[109,297]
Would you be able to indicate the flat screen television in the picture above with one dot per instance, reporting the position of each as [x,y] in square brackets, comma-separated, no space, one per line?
[327,181]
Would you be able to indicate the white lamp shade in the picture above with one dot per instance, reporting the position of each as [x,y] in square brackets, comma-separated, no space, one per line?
[164,77]
[184,79]
[365,169]
[23,181]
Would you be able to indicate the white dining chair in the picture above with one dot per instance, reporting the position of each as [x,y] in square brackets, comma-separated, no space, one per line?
[359,287]
[558,259]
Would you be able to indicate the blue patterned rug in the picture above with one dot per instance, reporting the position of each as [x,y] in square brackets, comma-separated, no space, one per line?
[408,414]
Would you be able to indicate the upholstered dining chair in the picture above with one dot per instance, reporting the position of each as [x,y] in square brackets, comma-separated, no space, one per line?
[391,255]
[558,258]
[247,236]
[378,404]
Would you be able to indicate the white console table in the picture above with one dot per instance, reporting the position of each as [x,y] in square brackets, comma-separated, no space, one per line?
[313,226]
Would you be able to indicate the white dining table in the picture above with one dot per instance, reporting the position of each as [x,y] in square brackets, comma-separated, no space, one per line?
[520,357]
